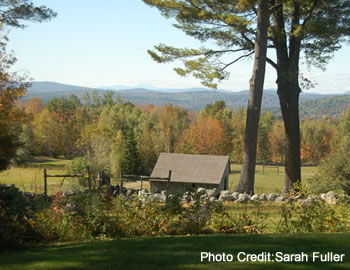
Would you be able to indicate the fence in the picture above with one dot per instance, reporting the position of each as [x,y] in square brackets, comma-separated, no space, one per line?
[129,178]
[64,177]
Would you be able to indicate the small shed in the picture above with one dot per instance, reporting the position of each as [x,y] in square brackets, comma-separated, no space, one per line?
[191,171]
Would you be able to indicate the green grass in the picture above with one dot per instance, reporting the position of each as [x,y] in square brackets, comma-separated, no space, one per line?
[180,253]
[270,181]
[48,163]
[31,178]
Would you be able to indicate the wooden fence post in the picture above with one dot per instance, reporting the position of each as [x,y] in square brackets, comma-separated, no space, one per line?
[45,183]
[89,179]
[263,168]
[168,187]
[121,183]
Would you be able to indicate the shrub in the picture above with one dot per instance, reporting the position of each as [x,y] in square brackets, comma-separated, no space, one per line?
[313,216]
[15,224]
[334,174]
[238,221]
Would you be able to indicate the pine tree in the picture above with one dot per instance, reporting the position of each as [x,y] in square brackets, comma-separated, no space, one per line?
[130,160]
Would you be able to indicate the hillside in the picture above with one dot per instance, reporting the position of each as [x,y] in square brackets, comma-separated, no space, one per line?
[332,107]
[311,105]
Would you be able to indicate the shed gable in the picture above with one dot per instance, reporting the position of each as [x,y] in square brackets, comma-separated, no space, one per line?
[204,169]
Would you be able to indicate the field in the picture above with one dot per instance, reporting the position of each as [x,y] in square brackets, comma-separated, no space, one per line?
[181,253]
[31,177]
[270,180]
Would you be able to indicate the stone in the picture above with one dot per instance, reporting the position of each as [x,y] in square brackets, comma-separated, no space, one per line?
[330,193]
[68,193]
[280,198]
[155,197]
[8,186]
[331,200]
[212,199]
[310,198]
[187,197]
[226,195]
[235,195]
[243,197]
[323,196]
[204,197]
[143,192]
[262,197]
[130,191]
[272,196]
[255,197]
[225,192]
[212,192]
[201,191]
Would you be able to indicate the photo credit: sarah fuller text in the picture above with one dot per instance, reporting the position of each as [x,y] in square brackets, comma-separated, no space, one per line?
[244,257]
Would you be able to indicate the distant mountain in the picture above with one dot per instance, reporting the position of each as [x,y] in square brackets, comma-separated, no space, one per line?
[159,89]
[51,87]
[311,104]
[332,107]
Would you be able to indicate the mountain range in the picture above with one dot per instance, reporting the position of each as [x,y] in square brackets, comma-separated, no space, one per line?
[311,104]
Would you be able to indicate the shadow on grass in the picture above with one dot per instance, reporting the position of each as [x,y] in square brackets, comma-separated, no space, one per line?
[180,252]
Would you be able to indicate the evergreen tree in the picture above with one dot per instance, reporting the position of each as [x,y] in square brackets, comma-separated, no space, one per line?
[130,160]
[316,28]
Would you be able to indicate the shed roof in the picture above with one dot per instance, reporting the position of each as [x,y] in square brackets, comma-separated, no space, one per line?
[185,168]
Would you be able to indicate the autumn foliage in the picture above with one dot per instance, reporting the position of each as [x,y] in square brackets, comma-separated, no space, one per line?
[206,137]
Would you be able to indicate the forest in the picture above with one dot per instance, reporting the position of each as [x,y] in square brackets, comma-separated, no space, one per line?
[111,134]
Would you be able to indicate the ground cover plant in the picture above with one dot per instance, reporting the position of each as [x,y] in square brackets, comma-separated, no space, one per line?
[181,252]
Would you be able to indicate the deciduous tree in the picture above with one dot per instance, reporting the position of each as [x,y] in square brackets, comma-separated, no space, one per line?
[206,137]
[315,28]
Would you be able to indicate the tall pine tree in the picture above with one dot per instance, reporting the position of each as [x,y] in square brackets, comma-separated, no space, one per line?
[130,160]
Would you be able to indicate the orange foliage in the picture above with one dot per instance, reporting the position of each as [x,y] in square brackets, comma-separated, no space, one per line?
[205,137]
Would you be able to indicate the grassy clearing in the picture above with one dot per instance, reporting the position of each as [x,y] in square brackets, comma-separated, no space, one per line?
[31,178]
[181,253]
[270,181]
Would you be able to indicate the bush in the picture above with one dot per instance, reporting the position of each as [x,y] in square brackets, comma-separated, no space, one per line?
[15,223]
[79,217]
[238,221]
[313,216]
[334,174]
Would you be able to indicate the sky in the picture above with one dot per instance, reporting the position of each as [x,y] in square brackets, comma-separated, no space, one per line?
[103,43]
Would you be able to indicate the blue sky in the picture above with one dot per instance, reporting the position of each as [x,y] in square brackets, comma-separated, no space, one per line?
[102,43]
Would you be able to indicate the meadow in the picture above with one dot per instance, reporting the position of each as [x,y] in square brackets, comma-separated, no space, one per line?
[30,178]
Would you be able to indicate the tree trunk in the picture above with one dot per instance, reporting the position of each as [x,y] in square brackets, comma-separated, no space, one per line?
[246,181]
[289,102]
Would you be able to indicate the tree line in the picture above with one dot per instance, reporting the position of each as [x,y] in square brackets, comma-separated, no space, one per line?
[114,134]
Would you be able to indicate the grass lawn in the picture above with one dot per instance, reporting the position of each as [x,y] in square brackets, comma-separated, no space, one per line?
[31,178]
[181,253]
[270,181]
